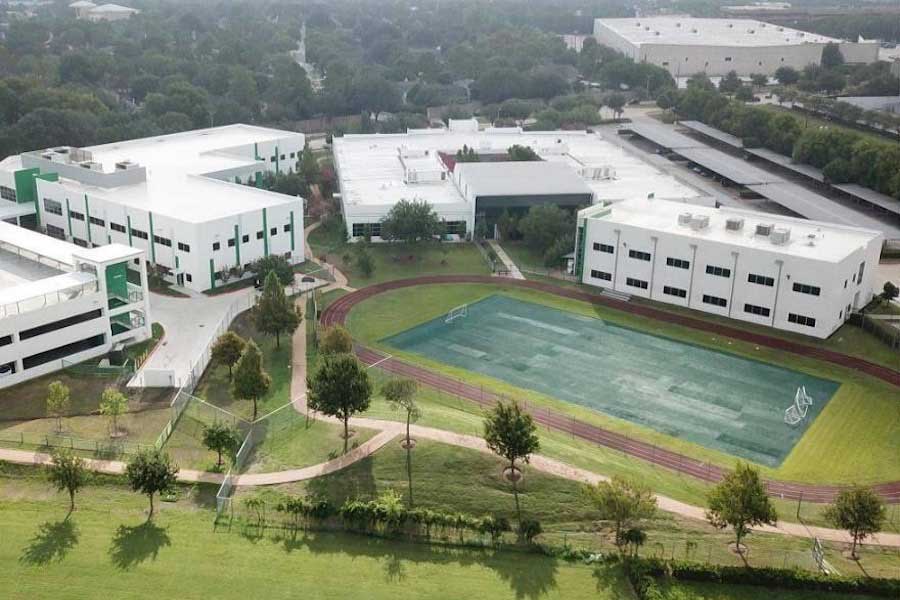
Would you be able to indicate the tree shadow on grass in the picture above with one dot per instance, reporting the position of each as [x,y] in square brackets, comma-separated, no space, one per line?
[52,542]
[133,545]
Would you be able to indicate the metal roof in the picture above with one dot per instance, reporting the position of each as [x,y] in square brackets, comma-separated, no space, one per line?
[663,135]
[729,167]
[880,200]
[531,178]
[716,134]
[785,161]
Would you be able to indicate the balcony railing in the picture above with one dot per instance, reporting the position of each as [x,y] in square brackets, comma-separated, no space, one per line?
[46,299]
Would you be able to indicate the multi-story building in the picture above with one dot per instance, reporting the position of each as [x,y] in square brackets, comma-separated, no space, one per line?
[61,304]
[685,45]
[792,274]
[187,199]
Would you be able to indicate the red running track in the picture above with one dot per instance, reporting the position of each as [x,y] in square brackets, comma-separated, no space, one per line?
[337,313]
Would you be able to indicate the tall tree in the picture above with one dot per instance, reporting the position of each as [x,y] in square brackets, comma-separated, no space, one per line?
[860,511]
[520,153]
[222,438]
[740,501]
[401,394]
[616,103]
[511,434]
[67,472]
[112,405]
[150,472]
[340,388]
[832,56]
[274,263]
[228,349]
[58,402]
[336,340]
[411,221]
[624,502]
[274,313]
[250,381]
[889,292]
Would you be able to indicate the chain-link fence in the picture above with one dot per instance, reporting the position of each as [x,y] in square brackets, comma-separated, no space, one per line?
[102,449]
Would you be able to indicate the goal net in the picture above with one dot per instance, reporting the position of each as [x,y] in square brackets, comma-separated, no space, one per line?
[456,313]
[796,412]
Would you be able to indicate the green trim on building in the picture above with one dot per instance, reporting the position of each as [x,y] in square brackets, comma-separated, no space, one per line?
[69,218]
[256,151]
[87,217]
[237,244]
[277,160]
[152,239]
[292,232]
[265,234]
[116,280]
[581,237]
[177,262]
[128,218]
[212,275]
[258,179]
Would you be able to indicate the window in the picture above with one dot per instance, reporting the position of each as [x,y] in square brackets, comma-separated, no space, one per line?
[216,246]
[638,283]
[184,247]
[450,227]
[80,242]
[603,248]
[62,351]
[718,271]
[52,206]
[288,226]
[97,222]
[259,234]
[273,231]
[231,242]
[282,157]
[665,63]
[862,269]
[117,227]
[245,238]
[807,289]
[139,234]
[761,279]
[76,215]
[674,291]
[60,324]
[601,275]
[801,320]
[762,311]
[678,263]
[293,154]
[7,193]
[6,340]
[637,254]
[359,229]
[188,278]
[57,232]
[727,59]
[715,300]
[273,158]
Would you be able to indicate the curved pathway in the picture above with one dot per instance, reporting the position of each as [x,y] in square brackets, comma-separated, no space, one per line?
[338,311]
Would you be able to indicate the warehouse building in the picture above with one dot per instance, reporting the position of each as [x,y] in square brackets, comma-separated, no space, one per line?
[61,304]
[685,45]
[576,169]
[792,274]
[182,198]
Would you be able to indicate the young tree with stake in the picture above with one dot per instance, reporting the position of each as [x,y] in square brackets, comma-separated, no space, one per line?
[860,511]
[624,502]
[511,434]
[401,394]
[740,501]
[222,438]
[112,404]
[58,402]
[227,350]
[340,388]
[67,472]
[250,381]
[150,472]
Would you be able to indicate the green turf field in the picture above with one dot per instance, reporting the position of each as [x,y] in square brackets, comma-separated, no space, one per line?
[719,400]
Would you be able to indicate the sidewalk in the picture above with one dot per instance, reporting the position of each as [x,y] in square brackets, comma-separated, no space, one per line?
[514,272]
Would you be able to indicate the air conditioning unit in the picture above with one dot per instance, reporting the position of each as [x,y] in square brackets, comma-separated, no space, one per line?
[780,236]
[734,224]
[764,229]
[684,219]
[700,222]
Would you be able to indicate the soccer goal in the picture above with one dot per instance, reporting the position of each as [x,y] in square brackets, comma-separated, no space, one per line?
[455,313]
[796,412]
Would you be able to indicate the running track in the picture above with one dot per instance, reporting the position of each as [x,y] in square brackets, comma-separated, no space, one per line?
[337,313]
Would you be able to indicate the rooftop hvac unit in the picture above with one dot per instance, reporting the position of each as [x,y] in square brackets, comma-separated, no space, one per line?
[764,229]
[781,29]
[125,165]
[699,222]
[780,236]
[91,165]
[734,224]
[751,31]
[684,218]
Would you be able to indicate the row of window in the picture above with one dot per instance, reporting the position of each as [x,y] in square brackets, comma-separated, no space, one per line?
[801,320]
[364,229]
[636,283]
[674,291]
[274,157]
[761,279]
[639,255]
[245,239]
[807,289]
[53,207]
[715,300]
[603,248]
[601,275]
[761,311]
[8,193]
[678,263]
[718,271]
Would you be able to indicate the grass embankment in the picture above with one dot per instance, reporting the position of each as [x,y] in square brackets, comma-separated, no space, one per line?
[808,120]
[825,454]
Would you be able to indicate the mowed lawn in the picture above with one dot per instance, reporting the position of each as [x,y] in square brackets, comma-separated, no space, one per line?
[826,453]
[712,591]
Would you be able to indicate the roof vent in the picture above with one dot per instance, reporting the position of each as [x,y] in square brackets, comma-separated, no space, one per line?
[677,24]
[700,222]
[685,218]
[751,31]
[730,25]
[734,224]
[781,29]
[764,229]
[693,30]
[780,236]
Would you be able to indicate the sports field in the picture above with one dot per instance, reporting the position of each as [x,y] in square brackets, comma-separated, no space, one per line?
[725,402]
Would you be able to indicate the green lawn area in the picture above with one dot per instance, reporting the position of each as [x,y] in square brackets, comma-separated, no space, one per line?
[107,546]
[825,454]
[679,590]
[806,120]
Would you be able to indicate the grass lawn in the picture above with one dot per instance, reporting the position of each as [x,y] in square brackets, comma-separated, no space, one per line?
[108,545]
[677,590]
[825,454]
[808,120]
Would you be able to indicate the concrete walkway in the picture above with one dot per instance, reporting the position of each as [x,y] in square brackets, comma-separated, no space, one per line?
[514,272]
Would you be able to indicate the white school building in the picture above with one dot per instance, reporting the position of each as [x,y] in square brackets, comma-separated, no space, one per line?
[61,304]
[183,198]
[791,274]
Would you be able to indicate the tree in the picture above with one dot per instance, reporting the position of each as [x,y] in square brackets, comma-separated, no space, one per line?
[667,99]
[274,313]
[411,221]
[787,75]
[58,402]
[221,438]
[401,394]
[340,388]
[250,381]
[832,56]
[744,94]
[511,434]
[740,501]
[67,472]
[273,263]
[112,404]
[308,166]
[624,502]
[616,103]
[759,79]
[860,511]
[336,340]
[889,291]
[730,83]
[522,153]
[543,225]
[466,154]
[228,349]
[364,261]
[150,472]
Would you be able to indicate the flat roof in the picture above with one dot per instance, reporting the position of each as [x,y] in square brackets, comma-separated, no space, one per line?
[371,172]
[880,200]
[663,135]
[39,287]
[537,178]
[811,240]
[787,162]
[689,31]
[716,134]
[729,167]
